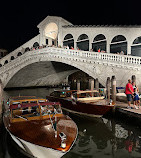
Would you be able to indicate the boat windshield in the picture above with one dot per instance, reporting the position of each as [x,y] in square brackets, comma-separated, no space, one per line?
[24,112]
[88,94]
[32,109]
[50,109]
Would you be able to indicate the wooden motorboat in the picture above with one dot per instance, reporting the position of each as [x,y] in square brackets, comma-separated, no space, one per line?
[39,127]
[88,103]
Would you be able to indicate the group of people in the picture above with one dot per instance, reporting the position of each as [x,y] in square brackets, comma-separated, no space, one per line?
[132,93]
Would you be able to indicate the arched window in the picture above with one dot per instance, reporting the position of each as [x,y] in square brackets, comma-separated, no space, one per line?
[6,61]
[118,38]
[36,44]
[99,42]
[68,41]
[136,47]
[27,49]
[118,44]
[12,58]
[83,42]
[19,54]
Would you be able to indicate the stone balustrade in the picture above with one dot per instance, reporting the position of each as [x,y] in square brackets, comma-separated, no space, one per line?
[83,56]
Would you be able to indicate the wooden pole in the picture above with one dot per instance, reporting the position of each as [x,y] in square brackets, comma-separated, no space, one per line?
[108,89]
[97,84]
[113,86]
[78,85]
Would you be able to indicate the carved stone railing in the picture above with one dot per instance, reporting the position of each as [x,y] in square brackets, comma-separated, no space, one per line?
[80,56]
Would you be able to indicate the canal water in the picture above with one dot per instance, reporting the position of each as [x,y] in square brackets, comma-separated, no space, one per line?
[97,138]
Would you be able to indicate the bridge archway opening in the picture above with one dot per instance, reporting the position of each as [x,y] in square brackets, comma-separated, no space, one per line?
[12,58]
[51,34]
[6,62]
[83,42]
[68,41]
[83,78]
[118,44]
[27,49]
[99,42]
[36,44]
[19,54]
[136,47]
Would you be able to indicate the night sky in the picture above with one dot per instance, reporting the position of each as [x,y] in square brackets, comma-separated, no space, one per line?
[19,19]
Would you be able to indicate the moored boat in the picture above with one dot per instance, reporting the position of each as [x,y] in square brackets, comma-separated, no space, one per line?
[88,103]
[39,127]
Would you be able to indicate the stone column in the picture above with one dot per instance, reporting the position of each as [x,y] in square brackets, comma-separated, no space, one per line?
[1,98]
[108,46]
[91,84]
[129,44]
[133,78]
[78,85]
[97,84]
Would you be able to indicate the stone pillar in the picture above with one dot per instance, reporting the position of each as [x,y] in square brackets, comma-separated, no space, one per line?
[97,84]
[108,46]
[78,85]
[133,78]
[49,41]
[113,86]
[1,98]
[108,89]
[129,44]
[75,44]
[91,84]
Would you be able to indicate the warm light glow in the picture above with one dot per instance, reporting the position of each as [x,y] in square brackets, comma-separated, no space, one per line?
[63,145]
[51,31]
[48,127]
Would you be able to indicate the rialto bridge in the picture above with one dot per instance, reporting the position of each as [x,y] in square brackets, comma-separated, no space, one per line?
[34,65]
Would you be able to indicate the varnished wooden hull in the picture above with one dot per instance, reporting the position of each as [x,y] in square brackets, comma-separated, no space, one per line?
[36,150]
[37,137]
[97,109]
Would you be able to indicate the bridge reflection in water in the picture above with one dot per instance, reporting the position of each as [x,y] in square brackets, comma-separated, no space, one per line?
[98,138]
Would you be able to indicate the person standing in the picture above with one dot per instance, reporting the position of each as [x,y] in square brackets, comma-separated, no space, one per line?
[136,99]
[129,92]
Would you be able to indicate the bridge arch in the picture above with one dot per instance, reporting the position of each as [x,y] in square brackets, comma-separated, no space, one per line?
[19,54]
[136,47]
[83,42]
[68,40]
[36,44]
[27,49]
[118,44]
[6,62]
[51,30]
[12,58]
[99,42]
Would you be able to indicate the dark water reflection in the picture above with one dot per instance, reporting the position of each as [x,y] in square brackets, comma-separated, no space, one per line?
[97,138]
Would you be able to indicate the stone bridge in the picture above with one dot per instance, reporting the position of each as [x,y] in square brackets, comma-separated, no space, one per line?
[48,66]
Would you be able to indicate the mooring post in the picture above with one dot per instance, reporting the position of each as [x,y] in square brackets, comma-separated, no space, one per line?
[78,85]
[108,89]
[113,86]
[97,84]
[133,78]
